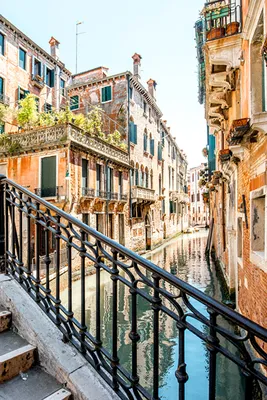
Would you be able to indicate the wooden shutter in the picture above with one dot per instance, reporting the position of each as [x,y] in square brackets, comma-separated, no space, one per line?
[52,80]
[44,73]
[108,93]
[103,94]
[135,134]
[48,176]
[152,149]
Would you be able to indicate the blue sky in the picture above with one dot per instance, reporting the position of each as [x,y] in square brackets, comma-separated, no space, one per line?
[161,31]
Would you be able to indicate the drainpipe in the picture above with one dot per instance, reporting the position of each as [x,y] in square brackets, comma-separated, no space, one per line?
[129,146]
[106,190]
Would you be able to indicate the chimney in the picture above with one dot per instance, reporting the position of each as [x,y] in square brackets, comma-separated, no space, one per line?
[152,88]
[54,47]
[136,65]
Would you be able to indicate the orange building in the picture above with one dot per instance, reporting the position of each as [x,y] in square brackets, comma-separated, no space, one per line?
[234,82]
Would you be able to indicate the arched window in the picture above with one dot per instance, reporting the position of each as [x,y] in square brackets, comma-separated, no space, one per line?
[151,179]
[146,178]
[160,185]
[145,140]
[137,174]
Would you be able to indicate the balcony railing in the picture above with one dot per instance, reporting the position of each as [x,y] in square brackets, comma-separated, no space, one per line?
[238,130]
[222,18]
[182,197]
[38,81]
[225,155]
[4,99]
[60,134]
[47,192]
[102,194]
[87,192]
[167,294]
[141,193]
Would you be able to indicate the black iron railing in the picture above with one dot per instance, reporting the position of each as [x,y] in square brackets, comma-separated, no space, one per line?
[167,295]
[87,192]
[222,18]
[102,194]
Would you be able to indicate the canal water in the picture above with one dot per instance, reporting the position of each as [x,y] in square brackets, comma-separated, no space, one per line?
[185,258]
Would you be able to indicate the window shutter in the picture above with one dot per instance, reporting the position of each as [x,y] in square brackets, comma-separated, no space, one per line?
[48,176]
[52,78]
[33,58]
[44,73]
[135,134]
[1,86]
[131,128]
[152,147]
[108,93]
[103,94]
[159,151]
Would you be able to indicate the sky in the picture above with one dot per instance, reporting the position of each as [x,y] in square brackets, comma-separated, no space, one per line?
[161,31]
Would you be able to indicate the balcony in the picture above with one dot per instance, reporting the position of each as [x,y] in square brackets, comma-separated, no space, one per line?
[238,130]
[222,19]
[181,197]
[101,194]
[56,192]
[60,134]
[4,99]
[141,193]
[225,155]
[38,81]
[87,192]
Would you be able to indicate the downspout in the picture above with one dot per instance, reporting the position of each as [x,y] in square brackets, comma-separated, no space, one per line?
[107,194]
[129,146]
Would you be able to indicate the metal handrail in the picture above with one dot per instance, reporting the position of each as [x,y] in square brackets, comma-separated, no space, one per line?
[134,272]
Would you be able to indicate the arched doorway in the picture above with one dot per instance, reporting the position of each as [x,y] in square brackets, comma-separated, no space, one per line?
[148,232]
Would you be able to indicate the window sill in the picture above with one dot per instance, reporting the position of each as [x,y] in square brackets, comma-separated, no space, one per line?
[22,69]
[105,102]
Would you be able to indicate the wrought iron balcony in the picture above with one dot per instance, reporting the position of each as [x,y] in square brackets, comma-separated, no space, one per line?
[38,81]
[141,193]
[222,18]
[4,99]
[50,192]
[123,197]
[87,192]
[101,194]
[146,282]
[225,155]
[238,130]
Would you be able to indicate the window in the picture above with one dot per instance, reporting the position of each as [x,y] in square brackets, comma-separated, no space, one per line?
[120,183]
[193,177]
[145,107]
[2,128]
[84,173]
[192,198]
[199,210]
[159,151]
[74,102]
[48,176]
[100,224]
[146,178]
[136,177]
[22,58]
[1,88]
[109,181]
[106,94]
[162,139]
[145,142]
[193,210]
[258,226]
[136,210]
[2,44]
[152,146]
[198,197]
[133,133]
[37,67]
[22,93]
[98,178]
[49,77]
[62,87]
[37,102]
[47,107]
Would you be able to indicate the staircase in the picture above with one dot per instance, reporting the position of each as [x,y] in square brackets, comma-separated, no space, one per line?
[20,375]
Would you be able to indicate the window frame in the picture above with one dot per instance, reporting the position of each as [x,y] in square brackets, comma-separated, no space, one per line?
[111,94]
[40,172]
[25,61]
[62,89]
[3,52]
[78,103]
[52,77]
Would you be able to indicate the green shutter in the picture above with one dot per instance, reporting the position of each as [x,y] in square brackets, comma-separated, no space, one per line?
[159,151]
[84,173]
[48,176]
[52,80]
[135,134]
[103,94]
[2,128]
[108,93]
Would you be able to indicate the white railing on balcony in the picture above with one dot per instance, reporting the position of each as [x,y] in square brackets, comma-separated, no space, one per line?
[139,192]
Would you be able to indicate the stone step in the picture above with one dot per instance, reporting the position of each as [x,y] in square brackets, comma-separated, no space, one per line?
[35,385]
[16,355]
[5,320]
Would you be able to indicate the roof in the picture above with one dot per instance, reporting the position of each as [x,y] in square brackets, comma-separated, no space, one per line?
[33,44]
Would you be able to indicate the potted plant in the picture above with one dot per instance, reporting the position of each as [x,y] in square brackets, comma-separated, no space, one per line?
[232,28]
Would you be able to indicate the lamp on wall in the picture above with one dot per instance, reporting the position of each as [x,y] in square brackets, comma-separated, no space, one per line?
[241,58]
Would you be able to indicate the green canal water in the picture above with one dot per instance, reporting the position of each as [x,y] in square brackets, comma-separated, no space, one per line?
[183,257]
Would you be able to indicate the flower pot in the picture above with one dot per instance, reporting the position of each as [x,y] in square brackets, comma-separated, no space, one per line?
[232,28]
[215,33]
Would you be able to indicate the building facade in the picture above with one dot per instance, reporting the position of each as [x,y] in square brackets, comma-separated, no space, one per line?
[199,209]
[234,94]
[134,194]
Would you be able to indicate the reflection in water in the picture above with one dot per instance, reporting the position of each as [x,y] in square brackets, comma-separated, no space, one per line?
[183,257]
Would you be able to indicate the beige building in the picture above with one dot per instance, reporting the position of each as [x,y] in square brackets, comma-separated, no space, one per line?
[199,210]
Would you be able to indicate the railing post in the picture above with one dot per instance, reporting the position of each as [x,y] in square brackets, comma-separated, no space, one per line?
[2,224]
